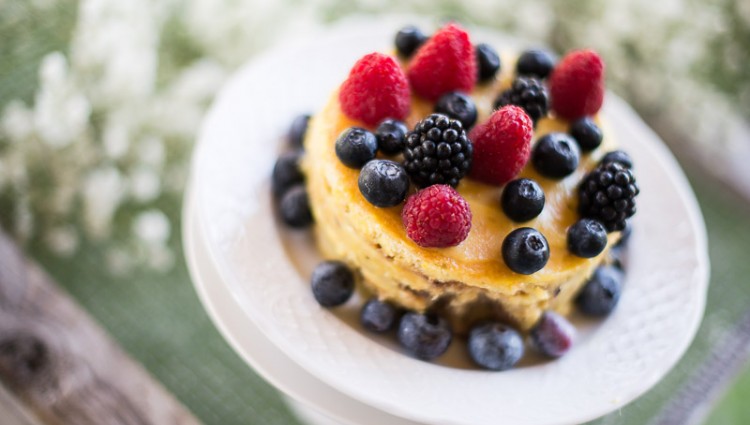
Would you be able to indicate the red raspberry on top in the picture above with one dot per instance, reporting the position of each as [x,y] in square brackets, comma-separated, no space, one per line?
[502,145]
[437,217]
[577,85]
[444,63]
[376,89]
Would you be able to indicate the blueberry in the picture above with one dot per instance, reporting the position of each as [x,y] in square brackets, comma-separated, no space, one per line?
[587,134]
[525,250]
[383,183]
[297,131]
[601,293]
[286,172]
[522,200]
[378,316]
[536,63]
[408,40]
[555,155]
[458,106]
[332,283]
[552,335]
[618,156]
[355,146]
[295,207]
[587,238]
[425,336]
[391,136]
[488,62]
[495,346]
[625,235]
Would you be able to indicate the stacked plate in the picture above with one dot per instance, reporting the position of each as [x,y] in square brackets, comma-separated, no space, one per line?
[252,274]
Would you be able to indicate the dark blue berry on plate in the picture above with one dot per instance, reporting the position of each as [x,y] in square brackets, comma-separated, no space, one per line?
[488,62]
[378,316]
[555,155]
[618,156]
[383,183]
[601,293]
[356,146]
[586,133]
[535,63]
[391,135]
[528,93]
[425,336]
[587,238]
[286,172]
[522,200]
[552,335]
[495,346]
[297,131]
[438,151]
[608,194]
[459,106]
[408,40]
[295,207]
[625,235]
[525,250]
[332,283]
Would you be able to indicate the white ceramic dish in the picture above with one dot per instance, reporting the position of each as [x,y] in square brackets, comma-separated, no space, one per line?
[266,268]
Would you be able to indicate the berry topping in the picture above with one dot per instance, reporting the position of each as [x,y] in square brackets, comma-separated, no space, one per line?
[552,335]
[587,238]
[555,155]
[458,106]
[577,85]
[437,217]
[618,156]
[608,194]
[424,336]
[587,134]
[297,131]
[529,94]
[535,63]
[383,183]
[378,316]
[286,172]
[444,63]
[600,294]
[501,145]
[356,146]
[437,152]
[488,62]
[522,200]
[525,250]
[495,346]
[375,89]
[408,40]
[391,135]
[295,207]
[332,283]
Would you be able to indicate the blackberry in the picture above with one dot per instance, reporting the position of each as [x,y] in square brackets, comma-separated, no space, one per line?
[529,94]
[438,151]
[608,194]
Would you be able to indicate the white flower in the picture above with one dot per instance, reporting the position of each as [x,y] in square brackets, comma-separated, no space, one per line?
[152,227]
[103,190]
[17,122]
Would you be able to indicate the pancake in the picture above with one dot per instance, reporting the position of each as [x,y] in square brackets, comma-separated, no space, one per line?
[465,283]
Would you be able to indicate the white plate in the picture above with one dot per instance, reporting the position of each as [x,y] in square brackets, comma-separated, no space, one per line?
[266,268]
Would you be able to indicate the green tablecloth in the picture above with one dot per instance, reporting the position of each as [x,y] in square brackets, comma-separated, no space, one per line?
[158,319]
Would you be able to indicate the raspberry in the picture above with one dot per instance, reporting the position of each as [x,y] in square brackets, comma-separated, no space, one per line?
[577,85]
[444,63]
[502,145]
[375,89]
[437,217]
